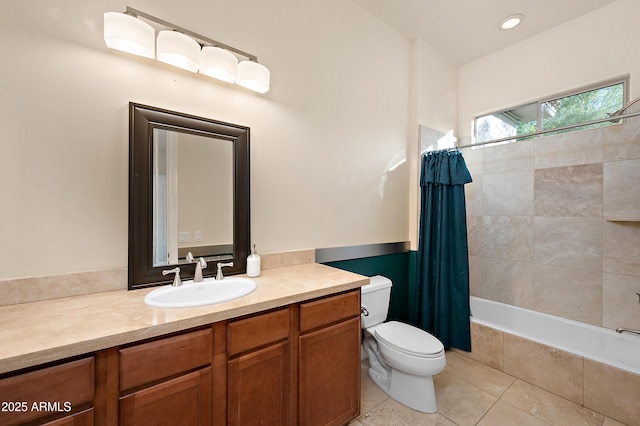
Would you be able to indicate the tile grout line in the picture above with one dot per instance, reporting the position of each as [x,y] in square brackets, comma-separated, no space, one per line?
[498,398]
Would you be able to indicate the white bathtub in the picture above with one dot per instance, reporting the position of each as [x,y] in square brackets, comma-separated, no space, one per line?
[596,343]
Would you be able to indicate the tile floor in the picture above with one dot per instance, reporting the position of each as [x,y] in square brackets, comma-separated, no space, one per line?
[471,393]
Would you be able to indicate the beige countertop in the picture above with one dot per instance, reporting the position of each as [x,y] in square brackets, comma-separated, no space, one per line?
[49,330]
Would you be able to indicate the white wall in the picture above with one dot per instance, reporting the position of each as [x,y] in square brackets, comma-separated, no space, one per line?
[592,48]
[322,139]
[434,95]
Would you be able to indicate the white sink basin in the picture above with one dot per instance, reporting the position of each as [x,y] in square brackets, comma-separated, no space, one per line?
[207,292]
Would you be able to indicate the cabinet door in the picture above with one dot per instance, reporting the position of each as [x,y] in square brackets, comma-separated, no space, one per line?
[185,400]
[84,418]
[329,361]
[258,387]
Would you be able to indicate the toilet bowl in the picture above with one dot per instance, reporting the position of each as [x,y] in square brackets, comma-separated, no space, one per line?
[403,359]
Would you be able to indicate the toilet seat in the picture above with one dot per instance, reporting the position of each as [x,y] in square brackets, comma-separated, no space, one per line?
[409,340]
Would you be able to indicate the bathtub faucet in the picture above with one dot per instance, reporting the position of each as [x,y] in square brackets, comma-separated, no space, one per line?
[628,330]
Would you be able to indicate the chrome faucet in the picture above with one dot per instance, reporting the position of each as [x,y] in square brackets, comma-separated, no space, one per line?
[176,278]
[627,330]
[219,275]
[200,265]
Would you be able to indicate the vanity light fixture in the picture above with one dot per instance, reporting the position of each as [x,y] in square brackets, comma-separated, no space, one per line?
[511,21]
[135,32]
[129,34]
[253,76]
[219,63]
[179,50]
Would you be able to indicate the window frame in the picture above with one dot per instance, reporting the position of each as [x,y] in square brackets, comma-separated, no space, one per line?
[540,131]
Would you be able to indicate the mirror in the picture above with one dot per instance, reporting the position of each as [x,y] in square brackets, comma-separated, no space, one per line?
[192,197]
[188,192]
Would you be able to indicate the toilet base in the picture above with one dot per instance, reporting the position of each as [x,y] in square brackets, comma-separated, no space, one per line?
[416,392]
[413,391]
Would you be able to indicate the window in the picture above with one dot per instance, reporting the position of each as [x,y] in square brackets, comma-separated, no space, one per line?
[559,113]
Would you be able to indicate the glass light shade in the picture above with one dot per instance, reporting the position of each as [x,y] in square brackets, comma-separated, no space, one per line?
[179,50]
[129,34]
[219,63]
[253,76]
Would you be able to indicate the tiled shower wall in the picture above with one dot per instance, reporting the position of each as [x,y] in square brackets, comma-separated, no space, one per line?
[554,224]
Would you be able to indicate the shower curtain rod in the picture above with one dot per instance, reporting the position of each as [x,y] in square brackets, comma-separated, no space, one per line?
[520,138]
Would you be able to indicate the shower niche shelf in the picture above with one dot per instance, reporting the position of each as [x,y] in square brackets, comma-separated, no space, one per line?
[623,219]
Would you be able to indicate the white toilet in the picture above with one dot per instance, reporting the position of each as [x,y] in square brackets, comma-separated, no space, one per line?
[403,358]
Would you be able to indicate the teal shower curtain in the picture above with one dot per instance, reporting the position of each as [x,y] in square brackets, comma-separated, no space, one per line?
[441,302]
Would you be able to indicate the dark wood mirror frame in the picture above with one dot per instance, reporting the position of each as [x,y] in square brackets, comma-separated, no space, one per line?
[142,121]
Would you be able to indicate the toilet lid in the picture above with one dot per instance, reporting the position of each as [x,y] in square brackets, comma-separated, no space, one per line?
[408,339]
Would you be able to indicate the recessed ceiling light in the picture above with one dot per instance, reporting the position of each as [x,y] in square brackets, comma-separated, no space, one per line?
[511,21]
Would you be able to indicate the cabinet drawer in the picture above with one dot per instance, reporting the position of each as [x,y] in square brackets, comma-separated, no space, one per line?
[329,310]
[149,362]
[63,387]
[254,332]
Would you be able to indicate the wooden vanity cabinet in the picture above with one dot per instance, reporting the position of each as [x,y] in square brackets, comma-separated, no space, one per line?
[167,381]
[258,369]
[329,360]
[84,418]
[61,394]
[297,365]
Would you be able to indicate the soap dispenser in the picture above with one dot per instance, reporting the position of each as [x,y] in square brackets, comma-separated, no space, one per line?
[253,263]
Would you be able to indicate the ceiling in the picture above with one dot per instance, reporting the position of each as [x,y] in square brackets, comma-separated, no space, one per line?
[466,30]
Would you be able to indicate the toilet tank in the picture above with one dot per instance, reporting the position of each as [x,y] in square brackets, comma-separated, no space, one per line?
[375,299]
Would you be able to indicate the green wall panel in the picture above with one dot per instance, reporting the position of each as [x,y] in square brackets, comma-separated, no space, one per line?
[399,268]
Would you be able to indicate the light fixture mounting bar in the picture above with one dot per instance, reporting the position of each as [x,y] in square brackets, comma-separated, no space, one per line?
[199,38]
